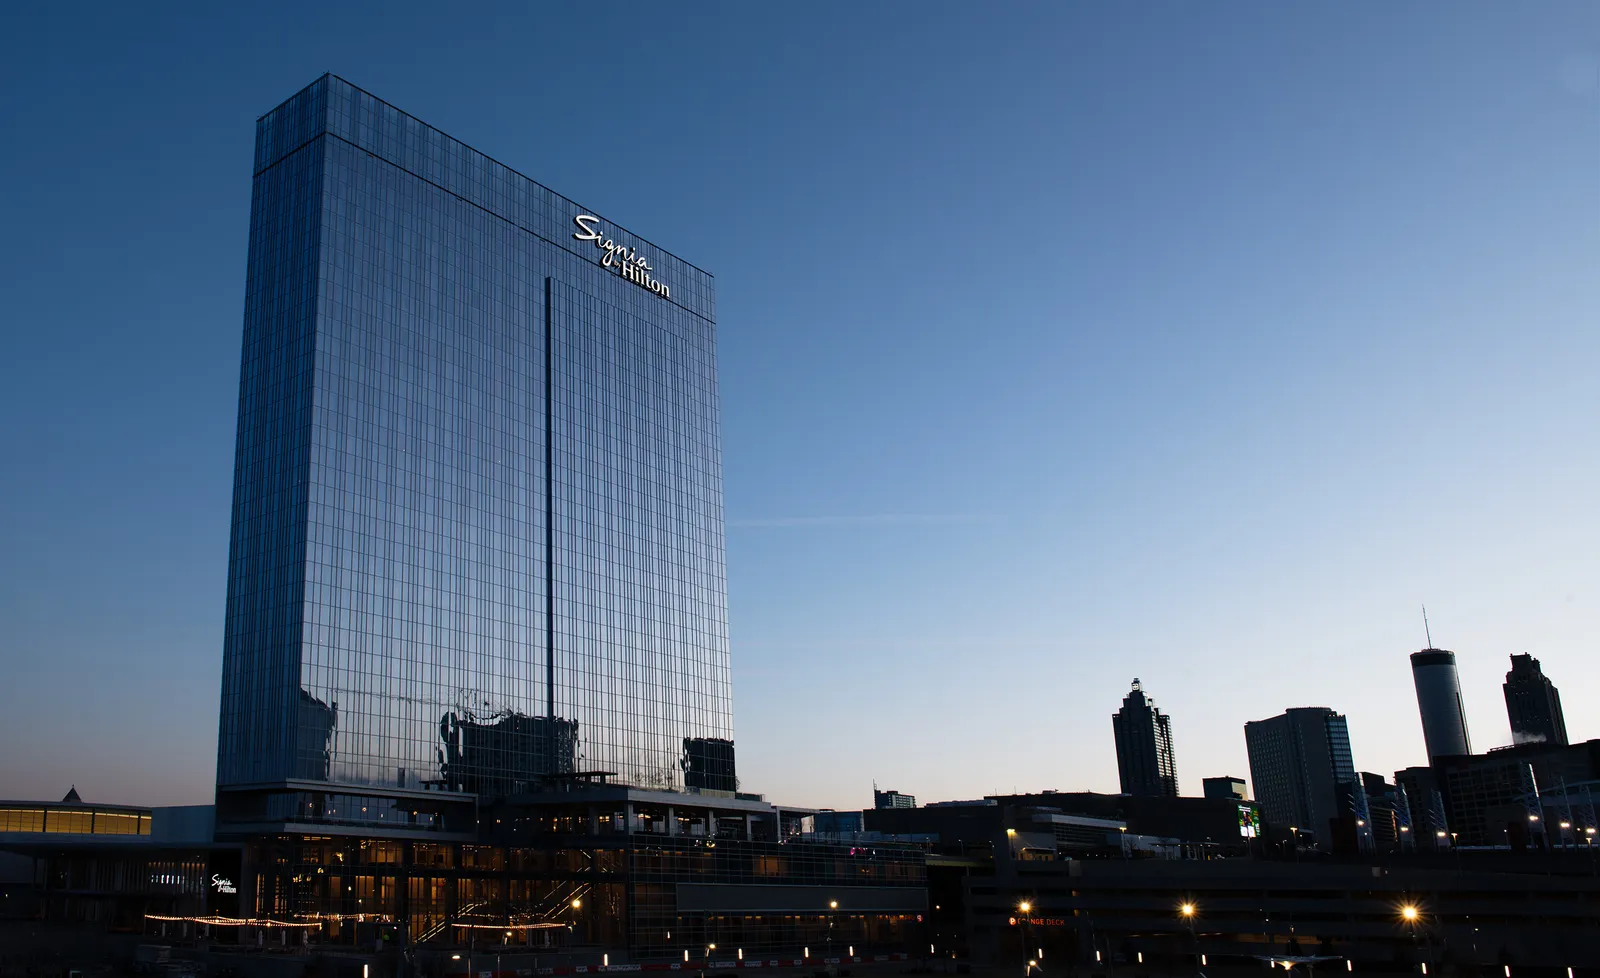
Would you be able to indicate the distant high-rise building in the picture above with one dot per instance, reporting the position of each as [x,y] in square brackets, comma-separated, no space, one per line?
[1144,747]
[892,799]
[1444,718]
[1420,788]
[1533,704]
[1232,788]
[1301,768]
[1387,813]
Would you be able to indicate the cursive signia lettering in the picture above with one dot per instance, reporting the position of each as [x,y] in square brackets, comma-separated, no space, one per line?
[627,261]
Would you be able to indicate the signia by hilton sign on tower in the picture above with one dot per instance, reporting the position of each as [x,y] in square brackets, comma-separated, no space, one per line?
[627,261]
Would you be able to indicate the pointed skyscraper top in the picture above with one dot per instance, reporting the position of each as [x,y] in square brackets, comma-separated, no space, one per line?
[1144,746]
[72,797]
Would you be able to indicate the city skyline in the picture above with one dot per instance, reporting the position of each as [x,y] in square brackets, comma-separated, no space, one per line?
[1253,409]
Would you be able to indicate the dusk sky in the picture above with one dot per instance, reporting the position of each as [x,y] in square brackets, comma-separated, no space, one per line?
[1059,344]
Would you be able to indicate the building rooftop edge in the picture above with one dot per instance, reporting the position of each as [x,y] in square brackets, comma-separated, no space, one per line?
[341,79]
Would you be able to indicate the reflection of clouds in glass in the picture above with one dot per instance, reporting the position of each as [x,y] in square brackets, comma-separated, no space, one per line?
[1580,74]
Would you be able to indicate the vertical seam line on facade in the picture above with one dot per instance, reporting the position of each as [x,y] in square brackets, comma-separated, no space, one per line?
[549,523]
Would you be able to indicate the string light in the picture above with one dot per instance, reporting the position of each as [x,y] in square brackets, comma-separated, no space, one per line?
[232,921]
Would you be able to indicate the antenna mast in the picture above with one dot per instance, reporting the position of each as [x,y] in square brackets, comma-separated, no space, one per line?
[1425,629]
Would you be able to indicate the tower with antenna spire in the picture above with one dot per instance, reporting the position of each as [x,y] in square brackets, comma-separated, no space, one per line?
[1444,716]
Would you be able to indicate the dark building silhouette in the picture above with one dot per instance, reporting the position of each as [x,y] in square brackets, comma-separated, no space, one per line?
[1387,813]
[315,722]
[1419,787]
[892,799]
[1303,774]
[708,764]
[1490,799]
[1227,787]
[1144,747]
[507,753]
[1226,823]
[1532,793]
[1444,718]
[1533,704]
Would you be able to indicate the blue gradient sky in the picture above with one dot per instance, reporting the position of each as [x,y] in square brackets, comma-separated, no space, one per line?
[1060,345]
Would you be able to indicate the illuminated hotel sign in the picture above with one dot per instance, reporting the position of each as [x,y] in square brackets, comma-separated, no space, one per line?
[627,261]
[223,884]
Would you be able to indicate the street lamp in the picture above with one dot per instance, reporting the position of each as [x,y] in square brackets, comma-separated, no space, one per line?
[1411,914]
[1023,908]
[833,907]
[1186,910]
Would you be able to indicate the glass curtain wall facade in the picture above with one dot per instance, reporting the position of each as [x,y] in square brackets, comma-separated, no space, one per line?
[477,526]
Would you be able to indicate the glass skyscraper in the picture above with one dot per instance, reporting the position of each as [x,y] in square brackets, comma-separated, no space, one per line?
[1304,774]
[477,537]
[1146,764]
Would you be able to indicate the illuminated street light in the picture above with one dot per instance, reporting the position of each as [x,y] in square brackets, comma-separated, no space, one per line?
[1409,913]
[576,903]
[1024,906]
[1187,910]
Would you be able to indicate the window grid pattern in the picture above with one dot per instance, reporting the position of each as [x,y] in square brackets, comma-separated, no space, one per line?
[266,576]
[388,620]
